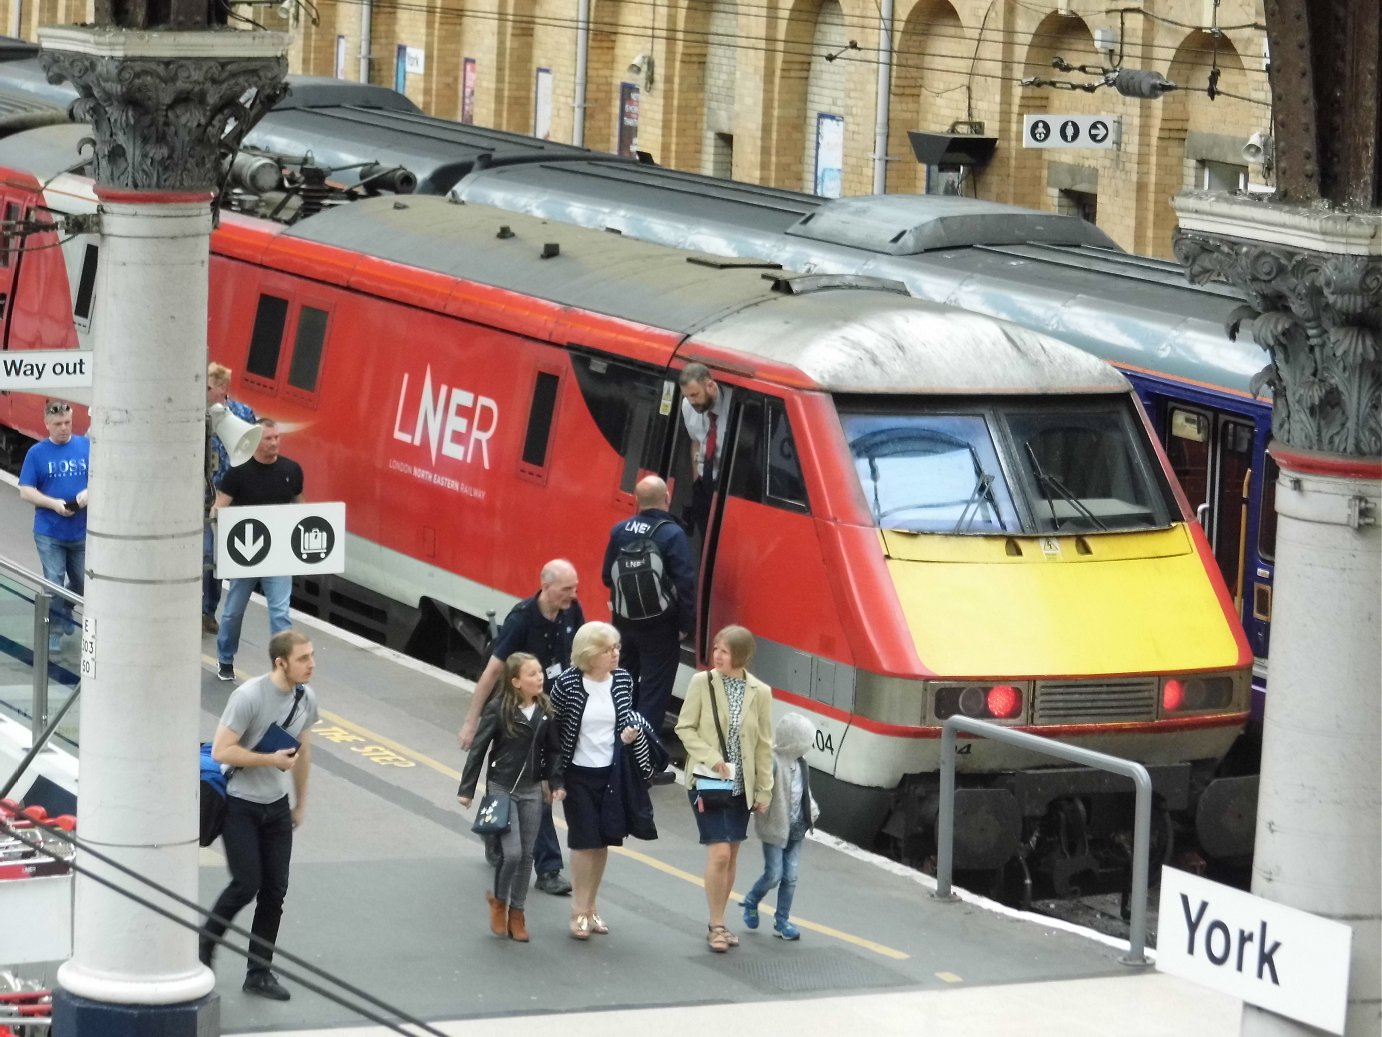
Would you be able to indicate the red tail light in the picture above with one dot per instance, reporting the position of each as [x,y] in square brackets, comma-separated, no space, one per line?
[1172,695]
[1004,701]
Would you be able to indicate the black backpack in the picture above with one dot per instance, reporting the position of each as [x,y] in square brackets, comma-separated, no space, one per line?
[638,580]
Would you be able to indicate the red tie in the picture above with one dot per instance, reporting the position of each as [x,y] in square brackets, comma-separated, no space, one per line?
[708,465]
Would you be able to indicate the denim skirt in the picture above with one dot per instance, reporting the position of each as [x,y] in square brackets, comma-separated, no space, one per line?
[730,825]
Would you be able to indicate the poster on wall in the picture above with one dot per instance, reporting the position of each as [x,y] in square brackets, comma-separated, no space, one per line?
[468,74]
[628,120]
[340,57]
[542,108]
[400,69]
[830,154]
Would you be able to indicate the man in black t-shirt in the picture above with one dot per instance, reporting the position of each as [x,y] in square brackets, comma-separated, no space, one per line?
[542,625]
[266,478]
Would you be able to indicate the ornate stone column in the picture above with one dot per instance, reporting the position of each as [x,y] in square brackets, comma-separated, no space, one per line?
[1313,279]
[164,108]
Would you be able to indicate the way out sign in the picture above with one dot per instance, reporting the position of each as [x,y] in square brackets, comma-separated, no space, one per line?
[280,540]
[37,370]
[1287,961]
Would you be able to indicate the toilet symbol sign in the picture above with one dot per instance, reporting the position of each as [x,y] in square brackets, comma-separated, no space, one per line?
[1070,131]
[280,540]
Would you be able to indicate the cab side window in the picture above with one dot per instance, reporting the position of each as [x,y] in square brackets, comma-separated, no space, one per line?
[764,468]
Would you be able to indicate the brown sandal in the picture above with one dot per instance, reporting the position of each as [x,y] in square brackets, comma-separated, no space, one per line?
[717,936]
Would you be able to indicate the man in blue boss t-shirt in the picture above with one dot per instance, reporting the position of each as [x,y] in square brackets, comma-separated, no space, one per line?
[53,479]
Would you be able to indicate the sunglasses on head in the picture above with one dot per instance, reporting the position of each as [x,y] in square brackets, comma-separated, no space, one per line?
[58,408]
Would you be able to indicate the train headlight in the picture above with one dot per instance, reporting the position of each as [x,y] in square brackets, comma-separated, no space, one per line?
[981,700]
[1196,694]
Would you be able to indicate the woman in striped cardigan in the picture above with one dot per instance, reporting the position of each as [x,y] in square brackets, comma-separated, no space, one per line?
[593,706]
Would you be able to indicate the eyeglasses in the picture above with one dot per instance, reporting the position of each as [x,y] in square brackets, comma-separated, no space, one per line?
[58,408]
[613,648]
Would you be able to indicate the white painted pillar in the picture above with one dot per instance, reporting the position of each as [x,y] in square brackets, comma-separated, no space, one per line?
[883,106]
[1319,808]
[138,790]
[582,61]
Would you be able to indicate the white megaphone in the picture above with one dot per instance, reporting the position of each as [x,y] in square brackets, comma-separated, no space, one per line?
[241,439]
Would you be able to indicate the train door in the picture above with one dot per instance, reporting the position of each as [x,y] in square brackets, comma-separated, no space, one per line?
[11,244]
[1212,455]
[760,563]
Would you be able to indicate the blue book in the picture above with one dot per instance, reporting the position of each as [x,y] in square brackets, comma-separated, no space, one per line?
[275,738]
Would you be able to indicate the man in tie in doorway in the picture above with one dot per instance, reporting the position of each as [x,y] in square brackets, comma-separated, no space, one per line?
[704,411]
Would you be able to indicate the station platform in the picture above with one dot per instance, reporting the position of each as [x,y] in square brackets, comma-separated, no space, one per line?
[388,886]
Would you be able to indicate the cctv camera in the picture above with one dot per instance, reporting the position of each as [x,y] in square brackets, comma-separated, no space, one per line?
[1258,148]
[638,64]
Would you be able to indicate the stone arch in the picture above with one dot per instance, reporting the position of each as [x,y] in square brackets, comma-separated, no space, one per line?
[783,114]
[690,82]
[1193,131]
[1068,37]
[441,89]
[513,66]
[826,83]
[930,85]
[604,74]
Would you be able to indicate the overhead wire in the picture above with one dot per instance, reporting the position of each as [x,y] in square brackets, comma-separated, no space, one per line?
[444,14]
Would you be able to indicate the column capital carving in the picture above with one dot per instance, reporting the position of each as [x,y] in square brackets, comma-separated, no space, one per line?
[1318,315]
[162,121]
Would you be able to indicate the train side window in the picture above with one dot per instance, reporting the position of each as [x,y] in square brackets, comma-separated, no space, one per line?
[746,465]
[786,488]
[764,468]
[1187,448]
[1266,522]
[625,402]
[1231,501]
[266,340]
[10,240]
[537,441]
[86,288]
[305,366]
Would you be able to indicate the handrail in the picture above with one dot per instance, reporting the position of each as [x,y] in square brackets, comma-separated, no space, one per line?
[44,592]
[1142,820]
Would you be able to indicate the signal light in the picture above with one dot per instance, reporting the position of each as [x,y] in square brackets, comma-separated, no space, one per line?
[1172,695]
[1004,701]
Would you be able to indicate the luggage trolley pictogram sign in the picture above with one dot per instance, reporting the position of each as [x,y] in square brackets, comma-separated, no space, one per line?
[280,540]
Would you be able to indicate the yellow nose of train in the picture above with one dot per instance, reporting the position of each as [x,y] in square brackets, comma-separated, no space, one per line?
[1073,605]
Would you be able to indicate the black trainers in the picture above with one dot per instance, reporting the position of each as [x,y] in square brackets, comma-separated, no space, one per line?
[225,672]
[665,777]
[263,984]
[554,882]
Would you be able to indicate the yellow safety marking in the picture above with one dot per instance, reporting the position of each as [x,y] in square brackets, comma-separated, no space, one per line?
[383,751]
[346,731]
[949,977]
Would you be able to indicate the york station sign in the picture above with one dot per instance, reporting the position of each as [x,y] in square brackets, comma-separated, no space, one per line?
[1287,961]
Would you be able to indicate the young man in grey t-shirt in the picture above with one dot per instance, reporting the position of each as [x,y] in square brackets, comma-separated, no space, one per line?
[260,817]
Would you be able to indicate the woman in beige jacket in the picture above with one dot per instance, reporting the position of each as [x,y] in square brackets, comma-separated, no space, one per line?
[726,728]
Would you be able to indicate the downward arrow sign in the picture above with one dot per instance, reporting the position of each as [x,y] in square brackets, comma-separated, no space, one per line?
[249,549]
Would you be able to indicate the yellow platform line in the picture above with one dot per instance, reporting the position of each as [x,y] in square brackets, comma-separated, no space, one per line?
[636,855]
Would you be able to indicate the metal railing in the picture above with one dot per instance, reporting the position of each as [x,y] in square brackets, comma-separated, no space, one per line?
[44,593]
[1142,822]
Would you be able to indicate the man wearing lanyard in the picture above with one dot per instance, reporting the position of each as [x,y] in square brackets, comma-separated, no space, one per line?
[704,410]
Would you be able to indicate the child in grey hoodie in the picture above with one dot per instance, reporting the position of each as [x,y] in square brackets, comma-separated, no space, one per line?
[783,826]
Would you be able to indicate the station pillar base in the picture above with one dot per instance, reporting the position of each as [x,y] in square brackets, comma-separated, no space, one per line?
[75,1016]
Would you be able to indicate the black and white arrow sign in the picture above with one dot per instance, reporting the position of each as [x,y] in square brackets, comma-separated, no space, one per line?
[1070,131]
[280,540]
[249,541]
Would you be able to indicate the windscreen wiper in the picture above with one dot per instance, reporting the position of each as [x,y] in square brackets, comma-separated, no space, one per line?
[983,490]
[1048,482]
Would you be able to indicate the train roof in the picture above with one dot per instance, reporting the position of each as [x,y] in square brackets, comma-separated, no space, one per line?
[843,339]
[339,132]
[1129,309]
[46,151]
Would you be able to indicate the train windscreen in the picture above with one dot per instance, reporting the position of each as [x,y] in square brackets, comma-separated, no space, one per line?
[1005,467]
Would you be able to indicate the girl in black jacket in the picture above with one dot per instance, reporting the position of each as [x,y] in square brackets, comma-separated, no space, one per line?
[516,731]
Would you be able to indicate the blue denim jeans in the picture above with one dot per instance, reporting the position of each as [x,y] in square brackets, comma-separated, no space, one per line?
[780,867]
[64,563]
[278,592]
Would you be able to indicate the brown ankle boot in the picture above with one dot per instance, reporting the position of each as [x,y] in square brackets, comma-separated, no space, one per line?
[518,926]
[498,915]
